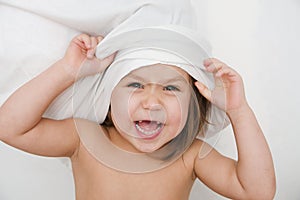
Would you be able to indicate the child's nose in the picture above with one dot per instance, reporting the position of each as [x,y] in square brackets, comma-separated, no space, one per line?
[152,98]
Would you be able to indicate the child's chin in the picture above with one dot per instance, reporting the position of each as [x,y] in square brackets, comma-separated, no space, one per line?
[147,148]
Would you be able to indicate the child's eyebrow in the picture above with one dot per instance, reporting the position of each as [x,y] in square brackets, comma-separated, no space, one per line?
[178,78]
[136,77]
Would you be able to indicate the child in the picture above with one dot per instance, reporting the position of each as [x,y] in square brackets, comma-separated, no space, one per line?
[251,177]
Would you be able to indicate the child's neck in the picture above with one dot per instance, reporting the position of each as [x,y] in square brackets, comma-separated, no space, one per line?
[116,138]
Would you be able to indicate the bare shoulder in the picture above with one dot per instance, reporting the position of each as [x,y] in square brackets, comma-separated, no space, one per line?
[193,150]
[192,153]
[200,155]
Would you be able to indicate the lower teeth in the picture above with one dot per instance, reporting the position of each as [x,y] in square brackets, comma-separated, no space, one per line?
[147,132]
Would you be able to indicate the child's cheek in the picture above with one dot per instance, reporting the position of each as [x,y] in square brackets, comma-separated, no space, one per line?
[119,109]
[177,114]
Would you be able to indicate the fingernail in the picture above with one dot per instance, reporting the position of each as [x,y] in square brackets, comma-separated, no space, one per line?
[218,74]
[206,62]
[89,55]
[198,85]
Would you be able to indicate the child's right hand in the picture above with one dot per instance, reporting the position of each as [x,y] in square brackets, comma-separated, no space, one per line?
[80,61]
[228,94]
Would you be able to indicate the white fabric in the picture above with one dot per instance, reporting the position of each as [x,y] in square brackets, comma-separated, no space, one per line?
[39,33]
[34,34]
[174,45]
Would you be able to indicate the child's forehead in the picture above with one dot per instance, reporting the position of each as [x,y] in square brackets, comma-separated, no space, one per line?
[160,72]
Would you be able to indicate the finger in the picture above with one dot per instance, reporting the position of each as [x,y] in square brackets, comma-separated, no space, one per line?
[99,38]
[107,61]
[86,40]
[203,90]
[223,71]
[94,42]
[228,74]
[92,50]
[214,67]
[209,61]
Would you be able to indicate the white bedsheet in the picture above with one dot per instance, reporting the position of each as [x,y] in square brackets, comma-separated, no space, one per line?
[34,34]
[258,38]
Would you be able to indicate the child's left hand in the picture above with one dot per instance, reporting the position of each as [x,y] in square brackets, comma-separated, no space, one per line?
[228,93]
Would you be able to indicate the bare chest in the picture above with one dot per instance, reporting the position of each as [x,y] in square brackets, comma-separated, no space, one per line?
[93,180]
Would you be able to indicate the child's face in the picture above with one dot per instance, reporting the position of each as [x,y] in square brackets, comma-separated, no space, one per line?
[149,106]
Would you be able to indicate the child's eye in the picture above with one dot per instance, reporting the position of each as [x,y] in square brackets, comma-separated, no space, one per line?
[136,85]
[171,88]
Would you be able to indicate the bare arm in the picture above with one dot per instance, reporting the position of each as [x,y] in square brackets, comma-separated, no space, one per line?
[21,122]
[252,176]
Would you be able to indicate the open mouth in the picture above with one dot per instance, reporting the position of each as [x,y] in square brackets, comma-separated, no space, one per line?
[148,129]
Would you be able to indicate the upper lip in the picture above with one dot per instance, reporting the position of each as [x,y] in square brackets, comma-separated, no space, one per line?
[141,120]
[150,119]
[142,115]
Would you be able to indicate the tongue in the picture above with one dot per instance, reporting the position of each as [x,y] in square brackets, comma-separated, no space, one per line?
[148,125]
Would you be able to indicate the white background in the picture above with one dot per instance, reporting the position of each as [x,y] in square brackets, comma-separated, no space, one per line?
[260,39]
